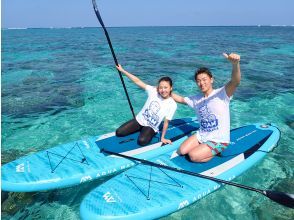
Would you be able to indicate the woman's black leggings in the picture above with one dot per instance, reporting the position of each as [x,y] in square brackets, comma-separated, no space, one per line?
[132,126]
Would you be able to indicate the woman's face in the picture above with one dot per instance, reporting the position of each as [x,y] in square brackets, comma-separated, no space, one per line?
[164,89]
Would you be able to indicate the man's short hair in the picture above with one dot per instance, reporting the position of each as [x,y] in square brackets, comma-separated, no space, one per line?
[202,70]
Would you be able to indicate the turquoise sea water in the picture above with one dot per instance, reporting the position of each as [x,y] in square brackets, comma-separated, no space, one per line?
[59,85]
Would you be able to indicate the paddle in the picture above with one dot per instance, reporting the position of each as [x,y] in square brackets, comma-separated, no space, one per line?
[112,52]
[285,199]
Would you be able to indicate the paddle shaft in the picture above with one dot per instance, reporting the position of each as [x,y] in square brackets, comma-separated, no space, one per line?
[112,52]
[282,198]
[183,171]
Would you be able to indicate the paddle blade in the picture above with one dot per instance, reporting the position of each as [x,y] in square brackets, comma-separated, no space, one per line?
[285,199]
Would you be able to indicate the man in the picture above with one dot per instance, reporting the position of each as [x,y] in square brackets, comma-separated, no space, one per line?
[212,109]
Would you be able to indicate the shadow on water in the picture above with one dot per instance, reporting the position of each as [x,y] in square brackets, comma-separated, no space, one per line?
[37,95]
[289,120]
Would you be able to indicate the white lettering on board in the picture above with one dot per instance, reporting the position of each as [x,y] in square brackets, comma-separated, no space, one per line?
[108,197]
[183,204]
[85,179]
[20,168]
[246,135]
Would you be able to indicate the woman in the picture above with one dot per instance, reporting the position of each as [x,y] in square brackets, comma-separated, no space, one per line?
[158,107]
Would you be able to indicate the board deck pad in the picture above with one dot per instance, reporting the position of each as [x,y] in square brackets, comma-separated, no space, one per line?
[81,161]
[148,192]
[130,142]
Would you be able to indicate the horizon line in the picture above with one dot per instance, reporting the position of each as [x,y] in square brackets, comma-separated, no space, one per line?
[138,26]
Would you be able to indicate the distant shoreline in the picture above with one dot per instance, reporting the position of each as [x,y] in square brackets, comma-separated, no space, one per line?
[24,28]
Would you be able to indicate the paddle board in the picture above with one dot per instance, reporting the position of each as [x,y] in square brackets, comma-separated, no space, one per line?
[81,161]
[148,192]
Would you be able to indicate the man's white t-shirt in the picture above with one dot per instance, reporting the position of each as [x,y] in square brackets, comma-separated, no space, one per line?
[213,114]
[156,109]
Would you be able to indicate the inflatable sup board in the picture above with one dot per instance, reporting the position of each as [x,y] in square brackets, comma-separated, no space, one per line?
[81,161]
[149,192]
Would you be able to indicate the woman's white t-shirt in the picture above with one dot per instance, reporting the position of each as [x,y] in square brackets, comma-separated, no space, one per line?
[213,114]
[156,109]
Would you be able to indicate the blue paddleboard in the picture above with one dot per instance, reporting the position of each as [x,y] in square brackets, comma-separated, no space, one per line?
[81,161]
[148,192]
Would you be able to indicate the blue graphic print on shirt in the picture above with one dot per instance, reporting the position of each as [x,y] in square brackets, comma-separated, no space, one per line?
[208,122]
[150,114]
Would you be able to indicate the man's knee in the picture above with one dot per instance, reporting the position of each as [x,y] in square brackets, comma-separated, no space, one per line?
[181,151]
[194,158]
[199,159]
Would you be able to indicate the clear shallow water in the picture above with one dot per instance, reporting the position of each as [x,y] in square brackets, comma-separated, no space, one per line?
[59,85]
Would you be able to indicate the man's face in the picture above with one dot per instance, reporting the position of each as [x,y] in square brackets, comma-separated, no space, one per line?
[204,82]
